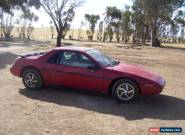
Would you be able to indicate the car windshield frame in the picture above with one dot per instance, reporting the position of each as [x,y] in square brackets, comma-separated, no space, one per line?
[102,59]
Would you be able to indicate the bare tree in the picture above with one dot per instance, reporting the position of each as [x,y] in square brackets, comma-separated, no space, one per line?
[62,13]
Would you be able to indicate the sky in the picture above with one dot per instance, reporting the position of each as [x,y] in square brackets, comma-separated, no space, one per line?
[89,7]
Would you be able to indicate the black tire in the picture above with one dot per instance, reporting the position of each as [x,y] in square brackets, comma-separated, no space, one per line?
[130,85]
[38,82]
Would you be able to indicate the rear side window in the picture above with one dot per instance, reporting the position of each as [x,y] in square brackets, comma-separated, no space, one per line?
[68,55]
[54,58]
[75,59]
[70,58]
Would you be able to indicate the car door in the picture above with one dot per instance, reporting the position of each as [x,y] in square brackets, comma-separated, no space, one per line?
[52,70]
[76,71]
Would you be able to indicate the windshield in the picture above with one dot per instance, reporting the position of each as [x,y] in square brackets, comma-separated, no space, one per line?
[103,59]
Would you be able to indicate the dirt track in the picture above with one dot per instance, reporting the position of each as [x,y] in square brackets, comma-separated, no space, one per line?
[57,112]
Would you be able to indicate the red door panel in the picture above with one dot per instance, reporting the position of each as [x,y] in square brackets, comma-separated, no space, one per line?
[54,74]
[74,77]
[82,78]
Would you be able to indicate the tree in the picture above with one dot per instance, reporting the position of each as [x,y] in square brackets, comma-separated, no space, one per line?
[1,17]
[126,24]
[140,28]
[80,31]
[8,6]
[174,31]
[92,19]
[100,31]
[7,26]
[62,13]
[117,30]
[182,33]
[112,21]
[109,32]
[160,12]
[30,29]
[25,22]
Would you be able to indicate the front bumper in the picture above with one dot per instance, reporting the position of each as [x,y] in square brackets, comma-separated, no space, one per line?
[154,88]
[15,70]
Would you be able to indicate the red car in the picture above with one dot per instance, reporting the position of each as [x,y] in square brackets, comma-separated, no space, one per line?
[88,69]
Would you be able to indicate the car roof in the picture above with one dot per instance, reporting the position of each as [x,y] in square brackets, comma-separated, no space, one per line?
[74,48]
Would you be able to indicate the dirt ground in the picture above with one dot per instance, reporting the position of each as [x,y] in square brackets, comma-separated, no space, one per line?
[63,112]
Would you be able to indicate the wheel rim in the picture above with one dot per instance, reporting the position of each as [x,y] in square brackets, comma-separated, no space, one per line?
[31,80]
[125,91]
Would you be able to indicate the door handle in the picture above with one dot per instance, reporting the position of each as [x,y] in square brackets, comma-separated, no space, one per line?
[90,70]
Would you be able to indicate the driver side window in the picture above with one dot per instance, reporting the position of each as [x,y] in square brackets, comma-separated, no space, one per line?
[70,58]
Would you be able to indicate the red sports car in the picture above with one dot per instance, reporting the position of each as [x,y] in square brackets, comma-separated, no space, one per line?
[88,69]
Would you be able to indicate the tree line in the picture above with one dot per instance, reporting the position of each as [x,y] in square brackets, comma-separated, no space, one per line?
[61,13]
[10,8]
[144,21]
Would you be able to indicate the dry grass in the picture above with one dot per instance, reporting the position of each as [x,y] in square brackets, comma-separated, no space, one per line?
[68,112]
[174,45]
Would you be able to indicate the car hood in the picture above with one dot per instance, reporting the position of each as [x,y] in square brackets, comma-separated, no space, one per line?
[137,70]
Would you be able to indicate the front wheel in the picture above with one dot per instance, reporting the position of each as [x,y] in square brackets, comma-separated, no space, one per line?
[125,90]
[32,79]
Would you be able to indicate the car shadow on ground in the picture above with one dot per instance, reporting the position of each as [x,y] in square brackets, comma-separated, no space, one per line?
[161,107]
[6,58]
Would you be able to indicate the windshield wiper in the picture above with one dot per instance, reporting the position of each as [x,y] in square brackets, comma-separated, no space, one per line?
[108,65]
[117,62]
[114,63]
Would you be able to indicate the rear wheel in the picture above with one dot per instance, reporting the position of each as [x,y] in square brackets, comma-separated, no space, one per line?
[32,79]
[125,90]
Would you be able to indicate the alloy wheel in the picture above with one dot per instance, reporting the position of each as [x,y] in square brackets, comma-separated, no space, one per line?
[31,80]
[125,91]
